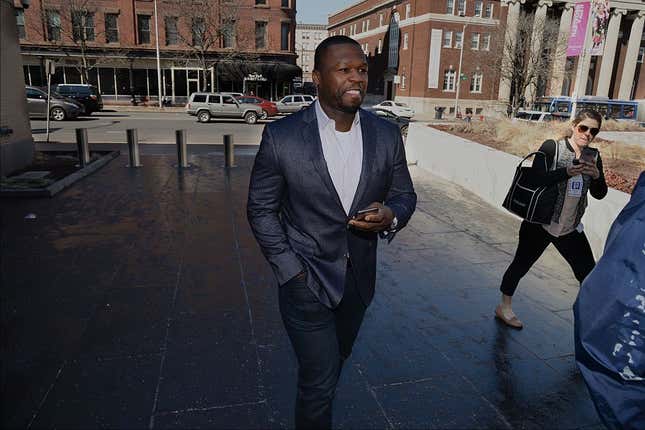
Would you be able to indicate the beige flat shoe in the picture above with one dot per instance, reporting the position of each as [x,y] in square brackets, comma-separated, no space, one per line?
[511,322]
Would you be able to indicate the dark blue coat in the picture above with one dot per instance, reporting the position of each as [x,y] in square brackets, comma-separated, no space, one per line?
[610,321]
[297,216]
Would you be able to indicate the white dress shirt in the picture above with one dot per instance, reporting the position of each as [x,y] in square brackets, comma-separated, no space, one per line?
[343,152]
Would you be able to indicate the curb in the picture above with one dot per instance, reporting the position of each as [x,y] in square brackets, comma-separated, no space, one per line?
[63,183]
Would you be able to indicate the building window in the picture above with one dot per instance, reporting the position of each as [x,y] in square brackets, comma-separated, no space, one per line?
[474,41]
[478,7]
[476,83]
[447,39]
[285,3]
[450,7]
[405,40]
[380,46]
[367,26]
[641,54]
[172,35]
[488,11]
[407,11]
[111,27]
[402,82]
[260,34]
[143,29]
[260,2]
[380,20]
[228,34]
[363,26]
[82,26]
[449,80]
[461,7]
[53,25]
[199,31]
[285,30]
[459,37]
[20,22]
[485,46]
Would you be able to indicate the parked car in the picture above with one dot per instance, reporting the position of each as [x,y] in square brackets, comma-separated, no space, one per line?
[397,108]
[229,93]
[533,116]
[400,121]
[60,108]
[86,95]
[268,107]
[215,105]
[294,102]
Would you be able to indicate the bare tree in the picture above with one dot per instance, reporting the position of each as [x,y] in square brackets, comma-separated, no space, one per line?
[70,25]
[526,58]
[210,32]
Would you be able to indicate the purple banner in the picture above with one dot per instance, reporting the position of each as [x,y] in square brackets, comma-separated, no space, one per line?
[578,29]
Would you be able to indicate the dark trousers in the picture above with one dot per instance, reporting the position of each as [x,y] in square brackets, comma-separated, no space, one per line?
[574,247]
[322,339]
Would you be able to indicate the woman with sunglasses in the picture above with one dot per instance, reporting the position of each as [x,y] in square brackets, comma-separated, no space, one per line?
[578,169]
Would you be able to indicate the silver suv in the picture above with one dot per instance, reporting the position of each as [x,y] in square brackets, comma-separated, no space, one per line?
[216,105]
[294,103]
[60,107]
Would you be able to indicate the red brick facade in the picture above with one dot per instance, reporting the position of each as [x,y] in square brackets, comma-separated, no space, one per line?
[277,58]
[409,81]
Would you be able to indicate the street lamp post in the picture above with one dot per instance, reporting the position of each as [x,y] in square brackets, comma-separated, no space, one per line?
[158,60]
[461,56]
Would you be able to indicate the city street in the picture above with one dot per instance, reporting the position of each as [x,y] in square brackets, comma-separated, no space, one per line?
[157,127]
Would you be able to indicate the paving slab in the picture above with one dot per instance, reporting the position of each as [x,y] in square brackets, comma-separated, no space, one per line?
[138,298]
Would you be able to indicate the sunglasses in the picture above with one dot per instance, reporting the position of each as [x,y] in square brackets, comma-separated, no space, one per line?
[583,129]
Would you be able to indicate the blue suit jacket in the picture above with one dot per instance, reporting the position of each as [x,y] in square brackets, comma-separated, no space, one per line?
[297,216]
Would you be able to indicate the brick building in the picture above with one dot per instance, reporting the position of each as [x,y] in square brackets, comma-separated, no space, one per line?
[205,45]
[414,49]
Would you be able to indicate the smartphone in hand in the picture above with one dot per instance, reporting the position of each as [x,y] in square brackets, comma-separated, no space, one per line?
[360,215]
[589,154]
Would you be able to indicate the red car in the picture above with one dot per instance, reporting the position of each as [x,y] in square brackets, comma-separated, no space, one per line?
[269,108]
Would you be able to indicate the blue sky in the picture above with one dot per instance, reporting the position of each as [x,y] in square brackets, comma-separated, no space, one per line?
[316,11]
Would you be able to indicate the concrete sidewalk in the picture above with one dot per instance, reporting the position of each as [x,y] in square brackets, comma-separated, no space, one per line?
[139,299]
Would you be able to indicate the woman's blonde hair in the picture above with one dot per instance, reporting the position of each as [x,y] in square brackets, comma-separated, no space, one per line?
[587,113]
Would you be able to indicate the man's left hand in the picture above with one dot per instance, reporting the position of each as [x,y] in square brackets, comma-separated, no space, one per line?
[374,221]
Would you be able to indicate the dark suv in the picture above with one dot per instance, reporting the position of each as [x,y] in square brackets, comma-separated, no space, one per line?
[87,95]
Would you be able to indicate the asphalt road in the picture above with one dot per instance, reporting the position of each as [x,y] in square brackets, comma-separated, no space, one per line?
[153,127]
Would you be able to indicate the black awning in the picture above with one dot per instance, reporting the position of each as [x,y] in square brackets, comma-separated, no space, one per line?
[270,70]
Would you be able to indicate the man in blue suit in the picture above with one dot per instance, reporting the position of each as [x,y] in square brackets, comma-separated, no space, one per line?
[326,182]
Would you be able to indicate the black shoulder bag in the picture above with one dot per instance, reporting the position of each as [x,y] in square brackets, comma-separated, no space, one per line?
[530,201]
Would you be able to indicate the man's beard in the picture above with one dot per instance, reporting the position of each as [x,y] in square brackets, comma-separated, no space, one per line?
[348,108]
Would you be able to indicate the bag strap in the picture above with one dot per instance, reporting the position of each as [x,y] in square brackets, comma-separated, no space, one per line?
[530,155]
[556,157]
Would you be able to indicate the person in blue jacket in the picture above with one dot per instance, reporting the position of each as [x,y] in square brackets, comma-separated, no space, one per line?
[609,321]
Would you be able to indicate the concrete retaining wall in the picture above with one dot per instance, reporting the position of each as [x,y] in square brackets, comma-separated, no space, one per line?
[488,172]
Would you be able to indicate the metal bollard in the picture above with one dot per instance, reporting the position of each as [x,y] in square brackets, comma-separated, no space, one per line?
[133,147]
[182,151]
[83,147]
[229,151]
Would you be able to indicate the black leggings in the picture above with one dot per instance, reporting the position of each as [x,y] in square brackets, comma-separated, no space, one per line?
[574,247]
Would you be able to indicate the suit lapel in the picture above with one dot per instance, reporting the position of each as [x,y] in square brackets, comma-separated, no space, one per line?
[369,157]
[311,136]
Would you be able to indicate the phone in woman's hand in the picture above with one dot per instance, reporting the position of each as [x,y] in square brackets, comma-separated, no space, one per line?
[589,154]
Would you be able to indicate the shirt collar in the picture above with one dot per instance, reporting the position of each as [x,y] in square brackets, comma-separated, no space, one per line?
[324,121]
